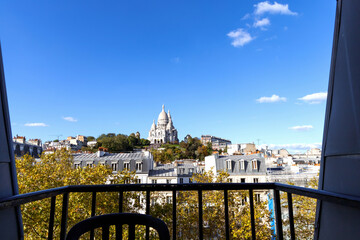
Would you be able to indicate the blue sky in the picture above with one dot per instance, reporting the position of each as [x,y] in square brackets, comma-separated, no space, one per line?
[241,70]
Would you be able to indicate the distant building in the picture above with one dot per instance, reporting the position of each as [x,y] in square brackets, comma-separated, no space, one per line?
[32,147]
[82,139]
[217,143]
[141,162]
[241,169]
[164,131]
[280,153]
[19,139]
[240,149]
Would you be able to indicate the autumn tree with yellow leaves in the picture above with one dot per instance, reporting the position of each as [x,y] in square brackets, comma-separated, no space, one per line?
[56,170]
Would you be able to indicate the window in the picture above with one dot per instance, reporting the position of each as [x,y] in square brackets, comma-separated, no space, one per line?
[242,180]
[127,166]
[256,180]
[228,165]
[138,167]
[77,165]
[168,199]
[127,181]
[229,180]
[168,181]
[154,181]
[257,197]
[138,181]
[90,165]
[181,170]
[242,164]
[254,164]
[191,170]
[181,180]
[114,167]
[243,201]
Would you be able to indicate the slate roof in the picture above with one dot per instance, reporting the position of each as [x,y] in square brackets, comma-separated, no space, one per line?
[235,159]
[108,156]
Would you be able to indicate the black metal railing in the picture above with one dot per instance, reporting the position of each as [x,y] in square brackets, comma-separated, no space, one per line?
[341,199]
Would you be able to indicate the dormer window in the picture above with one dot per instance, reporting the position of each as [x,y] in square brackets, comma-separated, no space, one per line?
[229,165]
[90,165]
[114,167]
[138,166]
[127,166]
[254,164]
[242,164]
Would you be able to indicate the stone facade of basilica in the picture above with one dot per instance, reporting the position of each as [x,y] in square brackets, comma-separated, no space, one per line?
[164,131]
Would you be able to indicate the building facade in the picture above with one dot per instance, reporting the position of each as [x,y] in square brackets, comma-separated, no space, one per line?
[164,131]
[216,142]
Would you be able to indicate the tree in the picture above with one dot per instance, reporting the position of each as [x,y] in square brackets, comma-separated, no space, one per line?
[213,212]
[90,138]
[56,170]
[304,209]
[115,143]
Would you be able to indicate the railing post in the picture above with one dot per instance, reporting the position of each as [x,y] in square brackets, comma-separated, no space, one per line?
[291,216]
[52,217]
[93,207]
[227,227]
[279,230]
[174,214]
[252,214]
[121,197]
[120,228]
[147,212]
[201,234]
[64,216]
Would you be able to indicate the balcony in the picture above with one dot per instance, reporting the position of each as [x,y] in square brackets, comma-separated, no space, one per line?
[62,194]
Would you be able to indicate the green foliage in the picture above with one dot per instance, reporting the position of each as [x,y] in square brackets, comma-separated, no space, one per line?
[120,142]
[193,149]
[90,138]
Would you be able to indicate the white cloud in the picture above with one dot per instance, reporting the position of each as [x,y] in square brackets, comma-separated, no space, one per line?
[262,23]
[276,8]
[70,119]
[294,147]
[240,37]
[302,128]
[36,125]
[314,98]
[272,99]
[246,16]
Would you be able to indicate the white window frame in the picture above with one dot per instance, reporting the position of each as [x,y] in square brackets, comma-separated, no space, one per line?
[257,197]
[139,166]
[154,181]
[90,164]
[256,180]
[228,164]
[114,167]
[254,164]
[77,165]
[242,164]
[127,166]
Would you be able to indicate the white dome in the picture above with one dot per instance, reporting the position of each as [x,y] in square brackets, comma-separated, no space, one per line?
[163,117]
